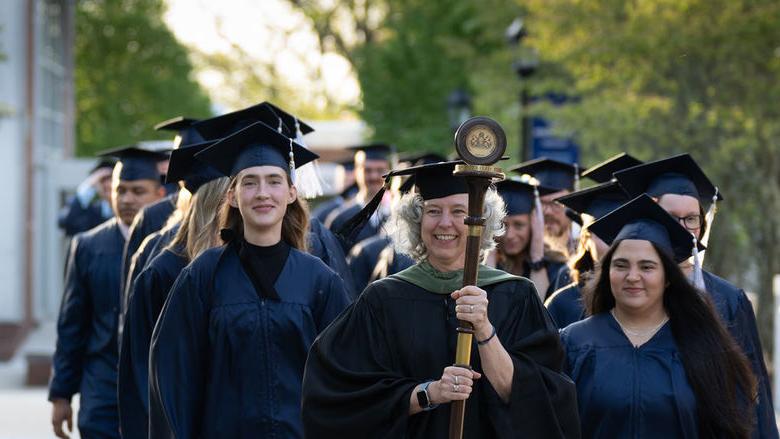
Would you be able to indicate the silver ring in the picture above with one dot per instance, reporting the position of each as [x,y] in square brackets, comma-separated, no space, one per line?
[455,388]
[455,378]
[471,308]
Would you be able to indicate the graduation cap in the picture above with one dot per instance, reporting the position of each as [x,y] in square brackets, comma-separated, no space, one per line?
[432,181]
[185,166]
[519,196]
[643,219]
[679,175]
[104,162]
[224,125]
[292,123]
[374,151]
[137,162]
[256,145]
[602,172]
[595,201]
[187,134]
[551,173]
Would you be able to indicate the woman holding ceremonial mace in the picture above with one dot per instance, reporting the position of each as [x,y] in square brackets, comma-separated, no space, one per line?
[384,367]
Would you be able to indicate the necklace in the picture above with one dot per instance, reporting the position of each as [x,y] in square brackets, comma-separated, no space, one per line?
[635,333]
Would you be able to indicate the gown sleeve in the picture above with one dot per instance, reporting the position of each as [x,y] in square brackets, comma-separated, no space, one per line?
[334,298]
[73,326]
[744,326]
[178,361]
[543,401]
[353,389]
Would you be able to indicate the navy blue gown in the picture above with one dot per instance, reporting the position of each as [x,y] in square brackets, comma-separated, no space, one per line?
[553,268]
[373,259]
[736,313]
[340,217]
[148,220]
[148,293]
[624,391]
[228,362]
[85,360]
[75,218]
[565,305]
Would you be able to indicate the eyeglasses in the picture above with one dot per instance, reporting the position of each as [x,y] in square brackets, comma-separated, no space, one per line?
[691,222]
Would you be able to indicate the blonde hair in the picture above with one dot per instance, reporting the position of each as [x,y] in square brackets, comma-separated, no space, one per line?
[199,229]
[295,224]
[406,220]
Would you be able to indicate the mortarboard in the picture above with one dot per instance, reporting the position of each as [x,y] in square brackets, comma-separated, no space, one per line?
[224,125]
[602,172]
[104,162]
[595,201]
[184,166]
[679,175]
[519,196]
[550,173]
[374,151]
[290,121]
[187,134]
[643,219]
[136,162]
[256,145]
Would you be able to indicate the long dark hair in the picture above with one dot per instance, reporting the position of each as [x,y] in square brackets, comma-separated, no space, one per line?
[295,224]
[716,368]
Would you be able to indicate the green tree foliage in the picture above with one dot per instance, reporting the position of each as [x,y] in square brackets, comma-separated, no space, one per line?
[131,73]
[658,77]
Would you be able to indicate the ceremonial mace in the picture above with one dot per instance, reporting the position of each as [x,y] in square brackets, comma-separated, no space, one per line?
[480,142]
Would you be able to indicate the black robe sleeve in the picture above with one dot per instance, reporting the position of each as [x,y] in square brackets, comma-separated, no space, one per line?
[352,388]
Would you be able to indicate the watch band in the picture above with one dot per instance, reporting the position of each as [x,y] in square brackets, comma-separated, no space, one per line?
[537,265]
[423,398]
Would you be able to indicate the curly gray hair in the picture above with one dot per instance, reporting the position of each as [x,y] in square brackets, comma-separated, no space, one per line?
[406,219]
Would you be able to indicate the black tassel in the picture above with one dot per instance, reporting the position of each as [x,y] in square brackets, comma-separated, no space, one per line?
[350,230]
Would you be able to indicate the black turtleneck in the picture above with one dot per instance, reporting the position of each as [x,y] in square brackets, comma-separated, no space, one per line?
[263,265]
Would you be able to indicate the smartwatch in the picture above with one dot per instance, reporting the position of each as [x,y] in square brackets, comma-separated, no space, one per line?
[537,265]
[423,399]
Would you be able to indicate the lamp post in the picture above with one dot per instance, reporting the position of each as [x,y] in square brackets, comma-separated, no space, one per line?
[458,108]
[525,65]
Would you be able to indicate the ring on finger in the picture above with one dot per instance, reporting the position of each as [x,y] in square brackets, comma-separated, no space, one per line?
[455,378]
[471,308]
[455,388]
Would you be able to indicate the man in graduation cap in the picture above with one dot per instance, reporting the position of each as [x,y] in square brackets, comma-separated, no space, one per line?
[682,188]
[372,162]
[375,257]
[229,348]
[383,368]
[521,249]
[85,360]
[564,178]
[91,205]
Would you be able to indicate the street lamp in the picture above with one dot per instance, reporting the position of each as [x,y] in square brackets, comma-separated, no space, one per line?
[458,108]
[525,65]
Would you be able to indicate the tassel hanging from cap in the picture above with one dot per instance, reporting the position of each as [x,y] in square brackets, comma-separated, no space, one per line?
[349,231]
[538,210]
[307,177]
[576,176]
[709,218]
[698,275]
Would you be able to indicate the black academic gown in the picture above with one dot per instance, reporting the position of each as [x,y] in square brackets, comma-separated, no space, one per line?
[373,259]
[85,360]
[324,245]
[362,369]
[227,361]
[148,293]
[148,220]
[565,305]
[628,392]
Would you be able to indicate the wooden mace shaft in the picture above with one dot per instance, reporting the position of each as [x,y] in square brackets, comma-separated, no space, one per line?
[477,186]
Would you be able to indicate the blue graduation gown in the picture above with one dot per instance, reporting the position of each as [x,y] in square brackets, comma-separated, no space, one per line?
[628,392]
[324,245]
[553,268]
[737,315]
[565,305]
[375,255]
[85,359]
[226,362]
[322,211]
[148,220]
[75,218]
[148,293]
[340,217]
